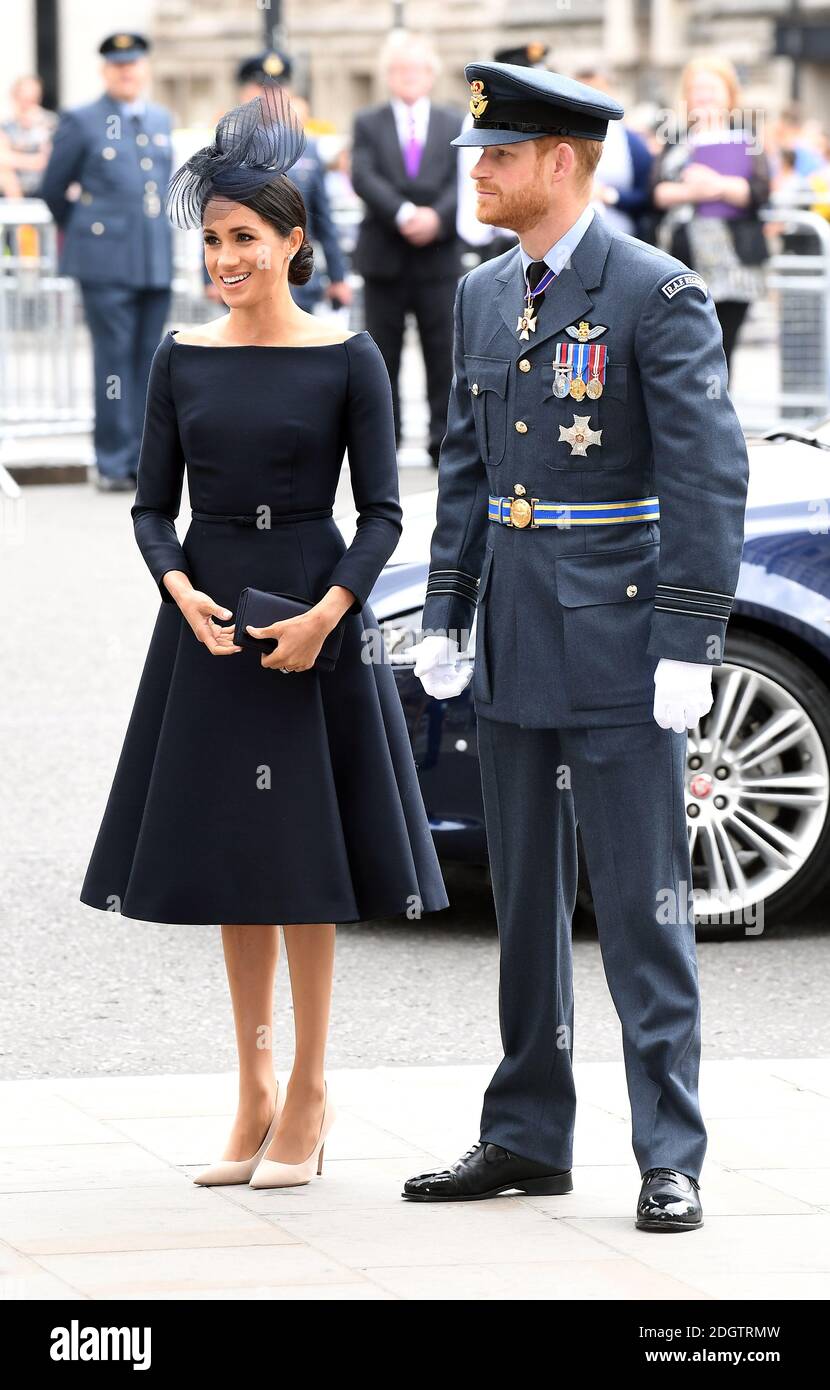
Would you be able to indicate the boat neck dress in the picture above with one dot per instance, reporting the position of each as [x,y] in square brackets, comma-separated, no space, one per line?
[241,794]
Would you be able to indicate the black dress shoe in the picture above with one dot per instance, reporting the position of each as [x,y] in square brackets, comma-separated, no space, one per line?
[485,1170]
[668,1202]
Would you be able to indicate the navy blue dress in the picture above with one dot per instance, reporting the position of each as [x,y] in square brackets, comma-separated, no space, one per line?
[244,795]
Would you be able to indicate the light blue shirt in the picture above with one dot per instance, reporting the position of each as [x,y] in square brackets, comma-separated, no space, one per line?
[562,250]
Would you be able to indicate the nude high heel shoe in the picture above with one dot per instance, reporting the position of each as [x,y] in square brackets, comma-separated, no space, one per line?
[231,1170]
[270,1173]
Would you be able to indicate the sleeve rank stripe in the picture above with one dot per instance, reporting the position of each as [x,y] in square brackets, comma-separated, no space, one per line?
[455,584]
[701,602]
[679,589]
[691,612]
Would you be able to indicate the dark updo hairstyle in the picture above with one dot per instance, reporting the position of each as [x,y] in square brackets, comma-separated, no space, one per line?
[282,204]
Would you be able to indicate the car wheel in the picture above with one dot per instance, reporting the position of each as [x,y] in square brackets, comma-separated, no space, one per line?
[757,793]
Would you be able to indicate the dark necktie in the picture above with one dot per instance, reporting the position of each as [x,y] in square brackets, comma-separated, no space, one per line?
[534,273]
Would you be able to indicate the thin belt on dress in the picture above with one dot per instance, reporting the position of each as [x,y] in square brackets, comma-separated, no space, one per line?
[253,518]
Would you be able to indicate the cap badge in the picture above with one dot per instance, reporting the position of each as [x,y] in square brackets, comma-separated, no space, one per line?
[122,41]
[478,101]
[273,65]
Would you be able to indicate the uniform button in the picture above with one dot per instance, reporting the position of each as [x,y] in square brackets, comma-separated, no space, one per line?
[474,388]
[97,228]
[151,186]
[147,162]
[142,139]
[524,365]
[109,152]
[521,427]
[631,590]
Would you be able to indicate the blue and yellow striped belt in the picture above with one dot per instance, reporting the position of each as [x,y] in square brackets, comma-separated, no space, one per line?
[532,512]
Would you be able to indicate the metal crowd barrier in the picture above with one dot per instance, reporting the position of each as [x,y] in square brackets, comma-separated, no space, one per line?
[41,390]
[781,366]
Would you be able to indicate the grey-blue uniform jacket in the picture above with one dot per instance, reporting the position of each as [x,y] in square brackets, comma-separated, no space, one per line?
[117,232]
[572,620]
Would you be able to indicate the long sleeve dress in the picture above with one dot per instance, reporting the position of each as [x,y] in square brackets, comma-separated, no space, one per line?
[244,795]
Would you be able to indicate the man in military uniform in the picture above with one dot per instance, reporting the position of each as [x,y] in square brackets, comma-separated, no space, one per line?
[274,67]
[592,483]
[117,242]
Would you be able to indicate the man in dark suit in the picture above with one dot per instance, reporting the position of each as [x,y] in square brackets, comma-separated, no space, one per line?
[117,242]
[407,250]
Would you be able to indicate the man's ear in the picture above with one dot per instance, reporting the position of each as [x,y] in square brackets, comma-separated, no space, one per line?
[561,160]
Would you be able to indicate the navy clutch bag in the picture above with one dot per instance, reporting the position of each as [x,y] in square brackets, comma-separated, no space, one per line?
[261,608]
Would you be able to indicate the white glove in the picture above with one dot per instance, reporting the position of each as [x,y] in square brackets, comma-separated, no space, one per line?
[682,693]
[437,667]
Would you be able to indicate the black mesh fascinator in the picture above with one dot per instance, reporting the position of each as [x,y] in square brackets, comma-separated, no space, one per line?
[253,145]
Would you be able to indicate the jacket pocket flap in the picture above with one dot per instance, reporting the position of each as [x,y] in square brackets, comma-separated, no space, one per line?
[608,576]
[487,374]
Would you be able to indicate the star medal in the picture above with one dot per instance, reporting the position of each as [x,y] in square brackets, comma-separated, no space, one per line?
[579,435]
[596,370]
[527,319]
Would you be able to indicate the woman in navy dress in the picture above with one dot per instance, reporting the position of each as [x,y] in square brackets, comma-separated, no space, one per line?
[240,798]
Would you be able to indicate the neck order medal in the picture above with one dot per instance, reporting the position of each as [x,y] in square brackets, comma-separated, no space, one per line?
[527,319]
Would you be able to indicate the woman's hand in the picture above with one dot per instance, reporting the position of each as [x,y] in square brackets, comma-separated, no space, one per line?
[198,610]
[299,639]
[705,184]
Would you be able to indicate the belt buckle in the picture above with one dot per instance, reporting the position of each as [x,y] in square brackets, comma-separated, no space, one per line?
[521,513]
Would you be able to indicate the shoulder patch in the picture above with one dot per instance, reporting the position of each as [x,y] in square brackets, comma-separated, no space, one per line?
[684,282]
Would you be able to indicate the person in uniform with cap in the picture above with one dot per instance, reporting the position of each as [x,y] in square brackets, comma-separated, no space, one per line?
[254,75]
[592,484]
[117,243]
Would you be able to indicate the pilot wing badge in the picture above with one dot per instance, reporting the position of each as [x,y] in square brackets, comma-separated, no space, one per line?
[583,332]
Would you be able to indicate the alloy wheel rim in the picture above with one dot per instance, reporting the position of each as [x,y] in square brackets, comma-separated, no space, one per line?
[756,791]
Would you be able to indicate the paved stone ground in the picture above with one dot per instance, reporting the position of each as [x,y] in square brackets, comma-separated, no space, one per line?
[97,1199]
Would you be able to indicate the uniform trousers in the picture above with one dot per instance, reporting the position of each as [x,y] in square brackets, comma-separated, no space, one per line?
[126,327]
[624,787]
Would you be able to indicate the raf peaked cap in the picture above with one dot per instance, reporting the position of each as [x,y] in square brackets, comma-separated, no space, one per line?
[274,65]
[527,55]
[511,103]
[124,48]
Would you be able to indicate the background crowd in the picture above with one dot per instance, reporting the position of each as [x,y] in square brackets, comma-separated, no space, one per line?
[391,203]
